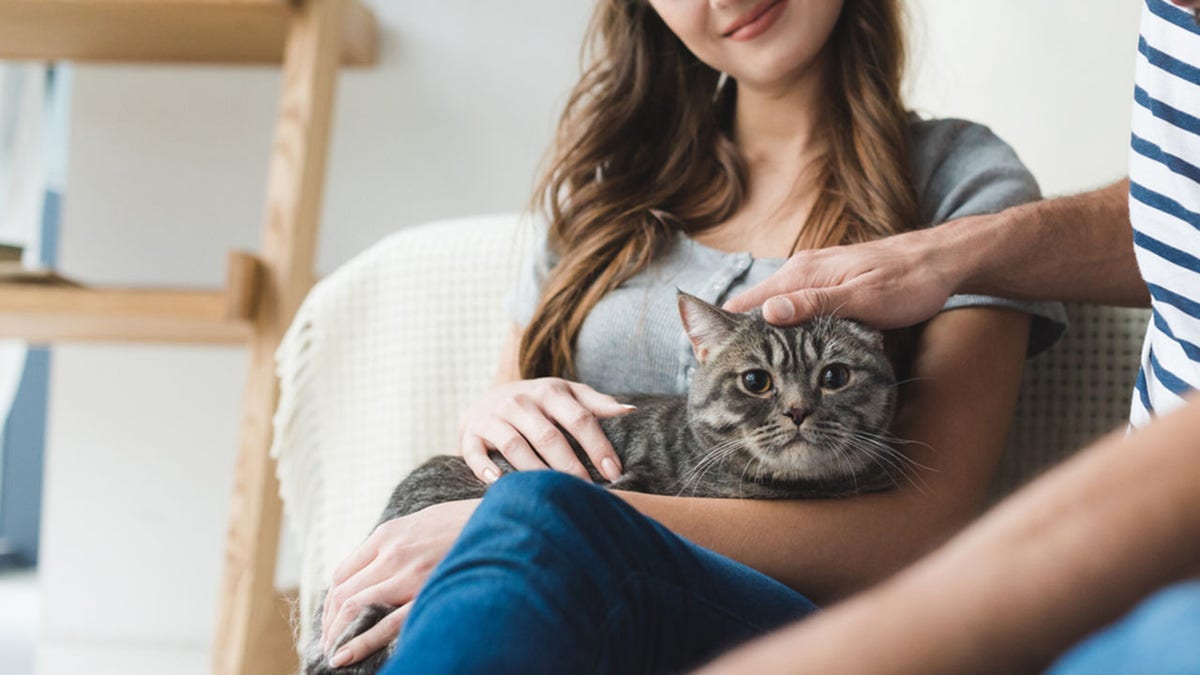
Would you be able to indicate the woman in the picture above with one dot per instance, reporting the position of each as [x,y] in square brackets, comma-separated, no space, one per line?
[667,174]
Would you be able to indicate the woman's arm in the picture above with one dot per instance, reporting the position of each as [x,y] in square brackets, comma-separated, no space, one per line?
[967,372]
[1036,574]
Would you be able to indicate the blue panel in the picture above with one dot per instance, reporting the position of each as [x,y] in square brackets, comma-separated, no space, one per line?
[21,457]
[24,441]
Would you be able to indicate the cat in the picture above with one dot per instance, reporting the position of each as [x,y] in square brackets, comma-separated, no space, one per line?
[770,413]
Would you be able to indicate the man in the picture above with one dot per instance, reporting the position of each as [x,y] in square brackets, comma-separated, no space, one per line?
[1090,540]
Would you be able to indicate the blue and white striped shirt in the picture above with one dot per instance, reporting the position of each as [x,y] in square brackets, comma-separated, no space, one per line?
[1164,204]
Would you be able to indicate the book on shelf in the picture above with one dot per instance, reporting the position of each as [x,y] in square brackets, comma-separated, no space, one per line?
[12,272]
[10,252]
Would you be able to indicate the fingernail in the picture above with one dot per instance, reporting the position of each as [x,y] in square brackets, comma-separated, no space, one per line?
[629,406]
[781,307]
[490,475]
[609,467]
[340,659]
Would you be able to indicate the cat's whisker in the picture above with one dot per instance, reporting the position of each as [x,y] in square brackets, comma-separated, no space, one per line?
[844,459]
[696,475]
[885,438]
[888,437]
[892,458]
[714,456]
[889,442]
[745,470]
[895,462]
[909,381]
[879,451]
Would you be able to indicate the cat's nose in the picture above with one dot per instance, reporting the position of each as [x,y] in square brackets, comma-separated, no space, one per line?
[798,415]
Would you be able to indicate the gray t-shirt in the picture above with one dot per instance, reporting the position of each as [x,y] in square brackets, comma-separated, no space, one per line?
[633,340]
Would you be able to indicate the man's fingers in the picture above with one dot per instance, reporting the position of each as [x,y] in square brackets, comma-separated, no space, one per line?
[798,307]
[372,640]
[756,295]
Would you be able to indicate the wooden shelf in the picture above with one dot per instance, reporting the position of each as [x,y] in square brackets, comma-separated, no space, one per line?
[311,39]
[207,31]
[41,314]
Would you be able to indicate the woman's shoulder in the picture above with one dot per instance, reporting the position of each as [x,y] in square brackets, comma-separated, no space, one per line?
[962,168]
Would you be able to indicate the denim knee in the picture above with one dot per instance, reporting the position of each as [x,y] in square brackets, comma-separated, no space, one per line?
[541,497]
[581,520]
[1157,637]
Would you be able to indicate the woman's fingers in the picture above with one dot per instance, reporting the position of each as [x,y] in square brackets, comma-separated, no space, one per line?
[601,405]
[342,594]
[362,557]
[501,435]
[372,640]
[537,425]
[395,591]
[531,423]
[583,426]
[475,454]
[352,577]
[408,549]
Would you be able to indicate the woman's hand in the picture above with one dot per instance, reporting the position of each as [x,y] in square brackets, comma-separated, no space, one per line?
[517,419]
[388,568]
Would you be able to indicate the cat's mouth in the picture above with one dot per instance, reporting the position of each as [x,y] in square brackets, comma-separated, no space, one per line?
[807,454]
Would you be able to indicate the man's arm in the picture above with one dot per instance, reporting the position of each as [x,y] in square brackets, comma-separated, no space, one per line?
[1057,561]
[1077,248]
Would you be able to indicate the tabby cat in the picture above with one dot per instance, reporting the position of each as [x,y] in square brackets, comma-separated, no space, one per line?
[771,413]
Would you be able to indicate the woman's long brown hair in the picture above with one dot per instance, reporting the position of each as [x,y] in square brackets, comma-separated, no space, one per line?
[643,150]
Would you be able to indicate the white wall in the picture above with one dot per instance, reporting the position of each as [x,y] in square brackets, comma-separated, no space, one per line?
[167,172]
[1054,79]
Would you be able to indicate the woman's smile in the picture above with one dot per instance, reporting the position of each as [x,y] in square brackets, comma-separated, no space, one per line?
[755,22]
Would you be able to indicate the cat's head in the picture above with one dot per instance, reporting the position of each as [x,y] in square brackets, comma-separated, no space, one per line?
[810,402]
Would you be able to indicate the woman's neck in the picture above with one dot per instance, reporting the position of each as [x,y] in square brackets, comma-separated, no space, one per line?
[776,128]
[777,131]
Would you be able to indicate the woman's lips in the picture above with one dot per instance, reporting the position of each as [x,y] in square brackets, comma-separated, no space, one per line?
[756,21]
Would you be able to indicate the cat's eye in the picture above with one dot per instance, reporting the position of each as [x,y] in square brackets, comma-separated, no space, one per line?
[756,381]
[834,376]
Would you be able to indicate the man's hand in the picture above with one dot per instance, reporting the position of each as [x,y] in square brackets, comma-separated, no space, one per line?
[889,283]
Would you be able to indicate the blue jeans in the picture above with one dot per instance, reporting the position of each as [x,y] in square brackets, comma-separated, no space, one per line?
[554,575]
[1161,636]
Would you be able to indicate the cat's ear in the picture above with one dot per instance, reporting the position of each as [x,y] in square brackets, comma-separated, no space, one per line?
[708,327]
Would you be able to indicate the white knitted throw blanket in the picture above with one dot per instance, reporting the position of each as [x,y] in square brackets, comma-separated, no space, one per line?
[379,361]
